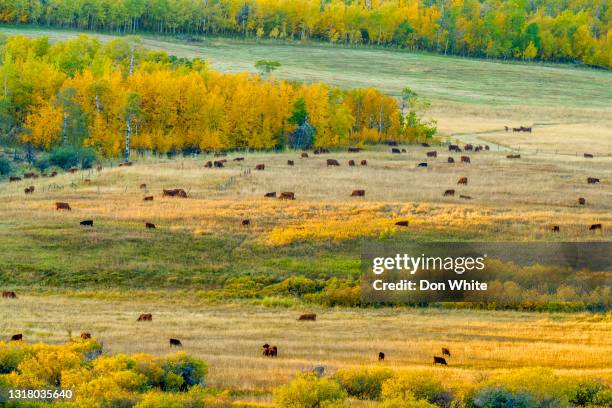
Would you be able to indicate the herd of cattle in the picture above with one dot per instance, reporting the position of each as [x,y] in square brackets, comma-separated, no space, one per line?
[267,349]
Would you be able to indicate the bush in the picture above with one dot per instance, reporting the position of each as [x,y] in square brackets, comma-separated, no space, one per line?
[5,166]
[182,372]
[420,385]
[406,403]
[364,383]
[309,391]
[66,157]
[499,398]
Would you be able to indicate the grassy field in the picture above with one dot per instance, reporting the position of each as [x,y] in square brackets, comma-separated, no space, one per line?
[200,240]
[229,337]
[567,106]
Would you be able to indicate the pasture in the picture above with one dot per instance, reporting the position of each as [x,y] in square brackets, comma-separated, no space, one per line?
[229,338]
[201,240]
[473,99]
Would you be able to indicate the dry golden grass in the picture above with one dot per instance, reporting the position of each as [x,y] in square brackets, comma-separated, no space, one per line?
[229,337]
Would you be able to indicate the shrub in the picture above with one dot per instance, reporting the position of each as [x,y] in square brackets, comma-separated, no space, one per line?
[410,402]
[66,157]
[499,398]
[5,166]
[181,372]
[363,383]
[585,392]
[420,385]
[309,391]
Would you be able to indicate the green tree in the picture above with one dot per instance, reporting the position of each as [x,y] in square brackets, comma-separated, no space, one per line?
[267,66]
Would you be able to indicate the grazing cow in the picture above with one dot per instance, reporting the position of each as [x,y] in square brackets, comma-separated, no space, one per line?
[465,159]
[260,167]
[125,164]
[271,194]
[432,154]
[454,148]
[381,356]
[450,160]
[592,180]
[450,192]
[513,156]
[404,150]
[358,193]
[364,163]
[308,316]
[28,190]
[143,186]
[468,147]
[87,181]
[351,163]
[487,147]
[149,225]
[86,336]
[148,198]
[290,163]
[17,337]
[177,192]
[556,228]
[287,195]
[208,164]
[425,144]
[30,175]
[87,223]
[321,150]
[9,294]
[246,223]
[175,343]
[53,174]
[402,223]
[462,180]
[439,360]
[465,197]
[218,163]
[239,159]
[581,201]
[588,156]
[73,170]
[266,346]
[14,178]
[478,148]
[507,128]
[595,227]
[422,164]
[332,162]
[392,143]
[354,150]
[62,206]
[145,317]
[304,155]
[445,351]
[273,351]
[395,151]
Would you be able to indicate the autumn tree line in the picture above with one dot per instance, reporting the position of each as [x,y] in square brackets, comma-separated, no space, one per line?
[547,30]
[118,96]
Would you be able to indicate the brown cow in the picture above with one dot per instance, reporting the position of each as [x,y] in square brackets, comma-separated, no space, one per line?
[287,195]
[395,151]
[432,154]
[14,178]
[28,190]
[290,163]
[149,225]
[148,198]
[308,316]
[465,159]
[145,317]
[321,150]
[581,201]
[465,197]
[513,156]
[449,192]
[175,343]
[304,155]
[239,159]
[595,227]
[85,336]
[9,294]
[404,151]
[351,163]
[588,155]
[271,194]
[246,223]
[17,337]
[125,164]
[143,186]
[358,193]
[208,164]
[592,180]
[381,356]
[332,162]
[462,180]
[177,192]
[556,228]
[73,170]
[62,206]
[260,167]
[218,163]
[53,174]
[451,160]
[364,163]
[87,181]
[402,223]
[439,360]
[468,147]
[445,352]
[30,175]
[273,351]
[487,147]
[354,150]
[454,148]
